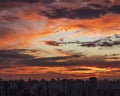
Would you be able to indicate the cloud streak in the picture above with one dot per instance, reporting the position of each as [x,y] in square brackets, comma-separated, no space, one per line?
[108,41]
[20,57]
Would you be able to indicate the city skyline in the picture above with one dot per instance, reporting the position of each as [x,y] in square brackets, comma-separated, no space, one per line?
[44,39]
[65,87]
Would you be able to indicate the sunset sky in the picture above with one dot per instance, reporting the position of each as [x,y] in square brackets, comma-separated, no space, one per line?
[59,39]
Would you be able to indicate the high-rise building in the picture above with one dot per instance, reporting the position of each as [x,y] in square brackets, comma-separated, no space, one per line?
[92,87]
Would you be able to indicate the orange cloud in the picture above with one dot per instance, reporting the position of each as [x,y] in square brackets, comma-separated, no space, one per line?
[105,25]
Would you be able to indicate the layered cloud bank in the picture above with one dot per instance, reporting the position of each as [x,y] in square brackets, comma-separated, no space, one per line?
[66,39]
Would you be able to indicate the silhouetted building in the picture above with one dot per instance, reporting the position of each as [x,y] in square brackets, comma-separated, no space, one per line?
[91,87]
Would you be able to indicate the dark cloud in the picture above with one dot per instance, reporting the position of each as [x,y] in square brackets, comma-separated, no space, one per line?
[52,43]
[115,54]
[59,43]
[90,11]
[81,13]
[109,41]
[115,9]
[16,58]
[14,54]
[97,43]
[12,58]
[99,61]
[104,42]
[49,61]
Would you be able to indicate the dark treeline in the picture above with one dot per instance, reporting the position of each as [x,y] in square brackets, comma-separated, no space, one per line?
[91,87]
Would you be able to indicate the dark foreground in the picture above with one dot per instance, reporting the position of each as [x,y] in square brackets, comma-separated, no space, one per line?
[91,87]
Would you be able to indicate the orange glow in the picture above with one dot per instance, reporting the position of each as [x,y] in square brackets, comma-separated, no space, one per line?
[72,71]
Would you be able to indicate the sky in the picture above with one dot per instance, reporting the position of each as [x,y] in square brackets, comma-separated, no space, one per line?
[44,39]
